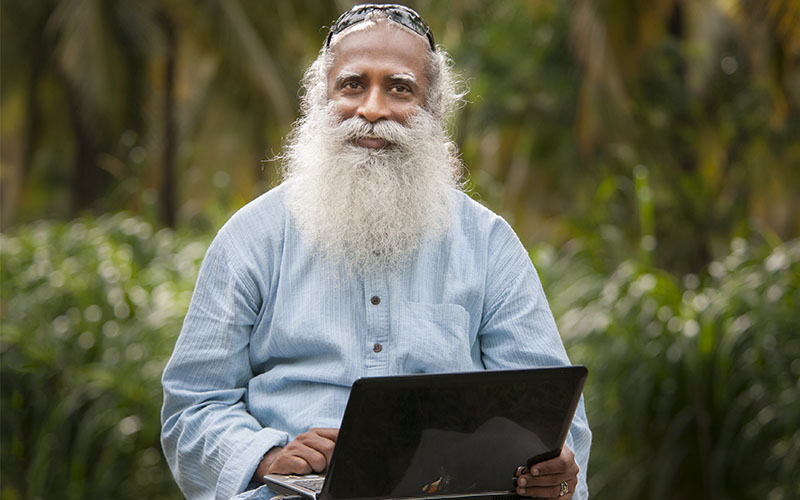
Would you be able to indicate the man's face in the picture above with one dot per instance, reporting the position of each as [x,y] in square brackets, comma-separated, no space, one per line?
[378,73]
[370,171]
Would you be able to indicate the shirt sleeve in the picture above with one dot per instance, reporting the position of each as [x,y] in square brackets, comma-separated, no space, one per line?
[518,329]
[212,444]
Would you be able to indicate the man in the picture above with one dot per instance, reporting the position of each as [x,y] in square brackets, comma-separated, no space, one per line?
[367,260]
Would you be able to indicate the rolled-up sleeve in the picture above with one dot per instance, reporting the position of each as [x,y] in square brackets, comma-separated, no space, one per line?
[211,442]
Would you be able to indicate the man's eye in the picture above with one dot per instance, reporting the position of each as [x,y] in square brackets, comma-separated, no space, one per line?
[400,89]
[351,85]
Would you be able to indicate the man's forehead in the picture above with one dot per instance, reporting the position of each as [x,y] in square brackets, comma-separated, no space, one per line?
[352,29]
[380,44]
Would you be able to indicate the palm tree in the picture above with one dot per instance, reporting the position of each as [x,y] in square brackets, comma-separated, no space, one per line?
[115,70]
[73,59]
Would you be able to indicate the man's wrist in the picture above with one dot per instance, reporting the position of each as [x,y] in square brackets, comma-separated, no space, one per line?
[266,461]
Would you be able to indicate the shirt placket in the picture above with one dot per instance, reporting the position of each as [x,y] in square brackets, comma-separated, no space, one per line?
[376,302]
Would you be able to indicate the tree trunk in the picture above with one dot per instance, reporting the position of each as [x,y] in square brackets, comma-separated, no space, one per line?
[167,191]
[84,178]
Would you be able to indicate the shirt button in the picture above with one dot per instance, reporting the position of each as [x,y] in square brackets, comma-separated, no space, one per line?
[375,300]
[377,348]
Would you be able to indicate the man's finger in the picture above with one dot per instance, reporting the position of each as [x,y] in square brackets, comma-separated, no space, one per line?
[558,465]
[549,491]
[320,439]
[327,432]
[317,460]
[309,452]
[323,442]
[548,480]
[287,463]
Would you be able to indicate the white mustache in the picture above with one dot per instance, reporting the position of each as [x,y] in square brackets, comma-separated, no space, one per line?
[388,130]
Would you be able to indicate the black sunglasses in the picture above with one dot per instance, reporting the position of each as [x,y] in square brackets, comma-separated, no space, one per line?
[400,14]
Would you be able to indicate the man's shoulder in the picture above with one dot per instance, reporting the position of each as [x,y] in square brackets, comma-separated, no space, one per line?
[263,217]
[269,201]
[488,233]
[471,212]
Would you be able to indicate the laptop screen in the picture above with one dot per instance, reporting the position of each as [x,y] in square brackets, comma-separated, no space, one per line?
[450,434]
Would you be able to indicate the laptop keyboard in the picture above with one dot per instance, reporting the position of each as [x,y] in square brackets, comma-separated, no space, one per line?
[311,484]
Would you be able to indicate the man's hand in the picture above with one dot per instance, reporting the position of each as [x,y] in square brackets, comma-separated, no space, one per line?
[309,452]
[544,479]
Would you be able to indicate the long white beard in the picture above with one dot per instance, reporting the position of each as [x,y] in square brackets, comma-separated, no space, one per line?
[370,209]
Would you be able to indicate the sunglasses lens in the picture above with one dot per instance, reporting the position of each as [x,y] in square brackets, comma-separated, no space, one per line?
[397,13]
[349,19]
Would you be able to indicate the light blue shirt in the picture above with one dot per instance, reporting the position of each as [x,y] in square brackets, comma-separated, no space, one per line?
[275,336]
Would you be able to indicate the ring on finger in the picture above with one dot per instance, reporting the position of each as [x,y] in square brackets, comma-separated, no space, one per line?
[564,489]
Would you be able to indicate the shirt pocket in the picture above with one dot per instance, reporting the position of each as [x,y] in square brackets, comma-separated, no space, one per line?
[432,338]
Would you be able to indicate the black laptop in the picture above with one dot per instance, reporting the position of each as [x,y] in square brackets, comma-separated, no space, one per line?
[454,435]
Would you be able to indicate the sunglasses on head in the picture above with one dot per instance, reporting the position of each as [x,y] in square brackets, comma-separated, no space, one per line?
[400,14]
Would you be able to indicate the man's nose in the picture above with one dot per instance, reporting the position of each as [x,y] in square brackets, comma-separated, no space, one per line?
[374,106]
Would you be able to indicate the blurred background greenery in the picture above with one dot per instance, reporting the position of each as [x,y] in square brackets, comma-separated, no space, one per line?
[648,153]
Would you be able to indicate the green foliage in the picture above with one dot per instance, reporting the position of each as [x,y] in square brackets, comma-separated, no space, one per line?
[692,390]
[167,109]
[693,384]
[659,131]
[90,313]
[572,100]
